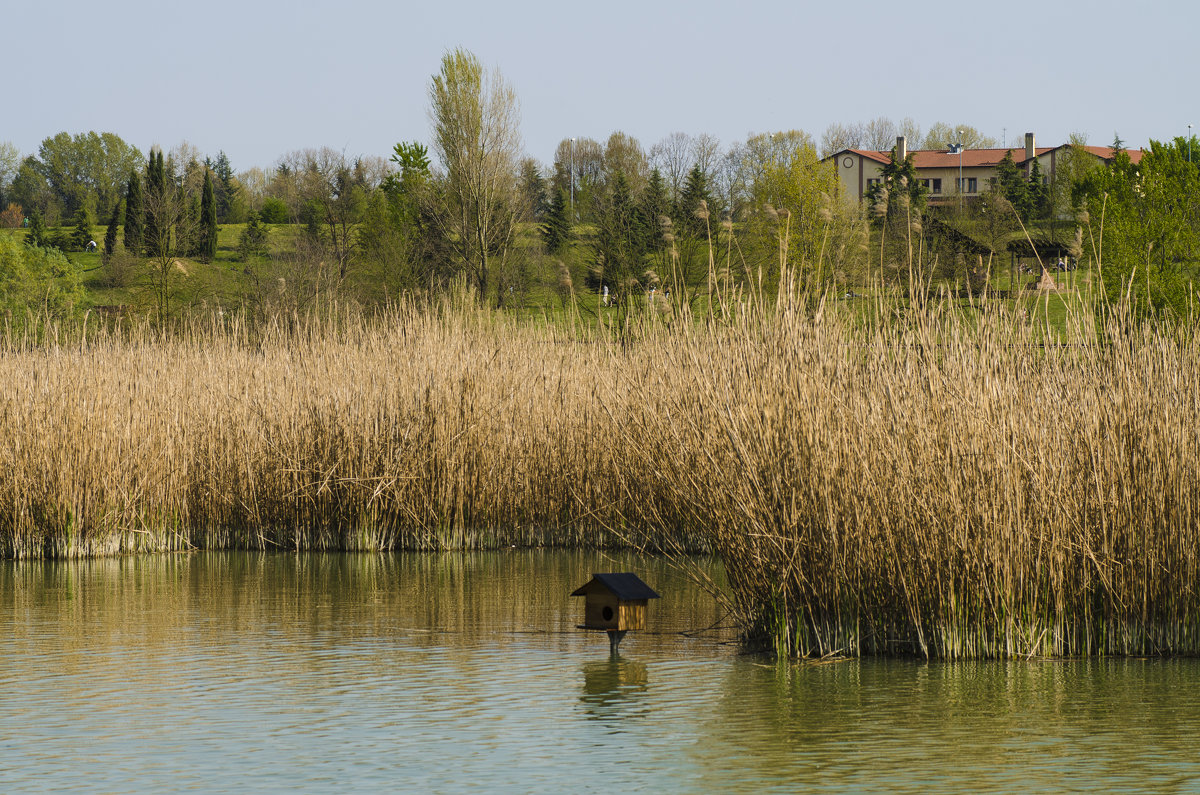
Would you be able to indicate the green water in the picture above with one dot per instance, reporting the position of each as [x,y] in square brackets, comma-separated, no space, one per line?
[464,672]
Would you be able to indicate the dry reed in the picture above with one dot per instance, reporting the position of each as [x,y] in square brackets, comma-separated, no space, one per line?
[928,485]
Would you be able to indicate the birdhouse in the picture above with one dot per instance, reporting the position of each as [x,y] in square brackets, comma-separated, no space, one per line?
[615,602]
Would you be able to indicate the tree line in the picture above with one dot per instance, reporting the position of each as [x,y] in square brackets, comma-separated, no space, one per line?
[685,214]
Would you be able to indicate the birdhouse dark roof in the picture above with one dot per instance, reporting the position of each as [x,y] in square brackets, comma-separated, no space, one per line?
[623,585]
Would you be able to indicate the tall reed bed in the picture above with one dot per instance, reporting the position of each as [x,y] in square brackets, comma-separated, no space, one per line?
[421,429]
[938,487]
[924,483]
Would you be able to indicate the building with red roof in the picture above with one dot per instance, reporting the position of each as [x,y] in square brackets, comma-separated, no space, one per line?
[950,173]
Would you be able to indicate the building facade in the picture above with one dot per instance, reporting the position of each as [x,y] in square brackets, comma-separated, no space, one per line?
[950,174]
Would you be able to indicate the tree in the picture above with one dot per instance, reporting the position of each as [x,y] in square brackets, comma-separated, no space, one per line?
[1013,186]
[155,204]
[1144,226]
[942,136]
[252,242]
[673,157]
[86,166]
[36,236]
[10,161]
[556,229]
[110,235]
[227,189]
[37,279]
[134,215]
[475,126]
[83,228]
[618,242]
[12,216]
[535,199]
[207,248]
[169,230]
[1039,192]
[623,154]
[30,190]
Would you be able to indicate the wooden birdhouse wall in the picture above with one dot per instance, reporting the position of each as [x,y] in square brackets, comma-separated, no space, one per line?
[605,611]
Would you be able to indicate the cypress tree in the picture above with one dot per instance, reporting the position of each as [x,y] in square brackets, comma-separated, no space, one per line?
[110,236]
[557,228]
[155,195]
[133,214]
[208,221]
[1039,192]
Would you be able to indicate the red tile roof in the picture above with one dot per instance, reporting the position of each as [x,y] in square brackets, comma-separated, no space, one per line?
[977,158]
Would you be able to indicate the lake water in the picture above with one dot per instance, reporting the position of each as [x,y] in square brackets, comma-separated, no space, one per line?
[464,672]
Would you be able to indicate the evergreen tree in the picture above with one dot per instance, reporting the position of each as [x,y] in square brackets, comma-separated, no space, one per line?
[83,228]
[133,215]
[253,240]
[1013,186]
[110,236]
[556,230]
[226,187]
[155,195]
[207,247]
[618,253]
[654,206]
[533,191]
[1039,192]
[36,236]
[695,191]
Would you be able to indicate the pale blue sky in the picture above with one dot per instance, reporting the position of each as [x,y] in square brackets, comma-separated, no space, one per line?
[259,78]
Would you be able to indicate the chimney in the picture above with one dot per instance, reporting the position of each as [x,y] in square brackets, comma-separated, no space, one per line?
[901,148]
[1030,151]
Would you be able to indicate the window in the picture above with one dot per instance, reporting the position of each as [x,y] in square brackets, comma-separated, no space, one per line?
[932,185]
[871,182]
[966,184]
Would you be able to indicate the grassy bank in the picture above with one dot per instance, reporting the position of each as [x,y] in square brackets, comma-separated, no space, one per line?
[928,483]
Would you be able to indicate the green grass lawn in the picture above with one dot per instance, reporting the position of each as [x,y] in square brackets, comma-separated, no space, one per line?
[229,281]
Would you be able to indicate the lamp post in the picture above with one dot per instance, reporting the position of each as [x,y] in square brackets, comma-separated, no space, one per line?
[1189,143]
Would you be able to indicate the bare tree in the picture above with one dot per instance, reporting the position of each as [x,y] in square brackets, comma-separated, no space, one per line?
[942,135]
[672,156]
[476,134]
[911,132]
[838,136]
[732,181]
[879,134]
[706,153]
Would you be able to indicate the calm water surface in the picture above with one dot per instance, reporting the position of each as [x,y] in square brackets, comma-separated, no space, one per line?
[464,672]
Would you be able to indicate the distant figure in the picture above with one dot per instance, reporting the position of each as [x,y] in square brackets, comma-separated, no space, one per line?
[91,246]
[652,289]
[1060,265]
[606,295]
